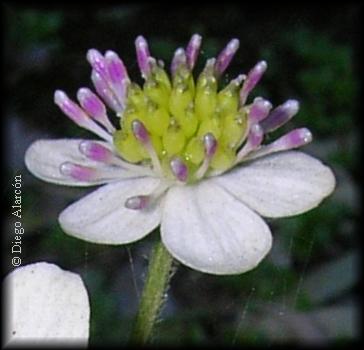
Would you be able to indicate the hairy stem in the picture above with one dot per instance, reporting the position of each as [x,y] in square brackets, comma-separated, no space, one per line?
[159,273]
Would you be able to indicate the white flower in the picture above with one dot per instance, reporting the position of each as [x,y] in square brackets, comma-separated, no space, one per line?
[45,306]
[188,157]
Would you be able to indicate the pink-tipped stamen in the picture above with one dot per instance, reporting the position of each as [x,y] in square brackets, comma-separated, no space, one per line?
[280,116]
[225,57]
[192,50]
[78,115]
[94,108]
[78,172]
[252,80]
[140,132]
[259,110]
[253,142]
[137,202]
[179,60]
[95,151]
[97,61]
[142,135]
[141,202]
[210,145]
[179,169]
[143,55]
[103,89]
[118,75]
[293,139]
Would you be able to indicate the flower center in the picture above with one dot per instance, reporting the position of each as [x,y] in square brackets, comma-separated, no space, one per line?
[191,126]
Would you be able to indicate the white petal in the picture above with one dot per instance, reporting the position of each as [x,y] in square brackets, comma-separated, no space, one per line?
[207,229]
[46,305]
[282,184]
[44,157]
[101,216]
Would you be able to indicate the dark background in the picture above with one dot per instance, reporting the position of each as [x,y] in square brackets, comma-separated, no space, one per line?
[304,292]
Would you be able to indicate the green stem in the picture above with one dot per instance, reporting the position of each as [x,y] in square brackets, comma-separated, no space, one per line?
[159,273]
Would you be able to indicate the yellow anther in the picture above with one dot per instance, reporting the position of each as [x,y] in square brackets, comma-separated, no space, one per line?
[156,119]
[189,122]
[211,125]
[195,151]
[173,139]
[223,159]
[129,147]
[228,99]
[128,116]
[156,92]
[136,95]
[233,129]
[180,98]
[162,78]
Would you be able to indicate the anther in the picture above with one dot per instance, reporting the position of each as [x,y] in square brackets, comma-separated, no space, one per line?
[192,50]
[143,55]
[95,151]
[293,139]
[179,169]
[280,115]
[179,60]
[225,57]
[94,107]
[210,146]
[141,134]
[254,140]
[78,172]
[259,110]
[137,202]
[253,77]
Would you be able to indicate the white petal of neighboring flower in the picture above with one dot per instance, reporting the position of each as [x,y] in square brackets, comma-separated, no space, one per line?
[282,184]
[45,306]
[44,157]
[101,216]
[207,229]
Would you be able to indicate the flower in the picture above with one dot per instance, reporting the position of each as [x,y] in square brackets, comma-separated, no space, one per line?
[187,156]
[45,306]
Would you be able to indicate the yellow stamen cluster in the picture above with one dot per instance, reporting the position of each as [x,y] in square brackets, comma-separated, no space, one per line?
[177,115]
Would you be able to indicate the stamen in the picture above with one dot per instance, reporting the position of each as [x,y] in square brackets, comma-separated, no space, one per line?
[210,145]
[94,107]
[192,50]
[140,132]
[142,135]
[179,60]
[179,169]
[105,92]
[70,108]
[294,139]
[144,201]
[280,115]
[252,80]
[225,57]
[97,61]
[118,75]
[78,115]
[254,140]
[137,202]
[143,54]
[259,110]
[95,151]
[78,172]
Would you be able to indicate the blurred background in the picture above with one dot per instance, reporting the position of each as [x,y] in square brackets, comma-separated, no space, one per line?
[304,292]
